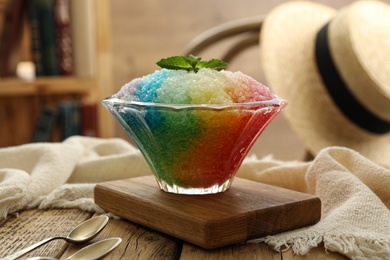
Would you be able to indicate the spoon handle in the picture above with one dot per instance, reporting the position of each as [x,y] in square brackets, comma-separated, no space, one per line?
[30,248]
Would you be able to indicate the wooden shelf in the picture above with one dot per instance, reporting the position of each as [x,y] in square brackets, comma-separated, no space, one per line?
[47,86]
[21,100]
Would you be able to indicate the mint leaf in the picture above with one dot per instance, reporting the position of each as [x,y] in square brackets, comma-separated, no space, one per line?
[190,63]
[175,63]
[193,60]
[212,64]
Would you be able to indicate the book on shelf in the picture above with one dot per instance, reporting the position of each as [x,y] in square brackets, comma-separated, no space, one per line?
[45,125]
[10,36]
[2,13]
[43,16]
[89,119]
[78,118]
[63,36]
[68,118]
[83,22]
[36,42]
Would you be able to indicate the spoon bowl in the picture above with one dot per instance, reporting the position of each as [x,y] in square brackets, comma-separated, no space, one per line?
[97,250]
[87,230]
[84,232]
[42,258]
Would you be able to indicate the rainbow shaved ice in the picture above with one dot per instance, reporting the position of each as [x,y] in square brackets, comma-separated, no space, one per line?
[207,86]
[194,128]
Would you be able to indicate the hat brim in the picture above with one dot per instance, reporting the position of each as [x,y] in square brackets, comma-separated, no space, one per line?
[287,54]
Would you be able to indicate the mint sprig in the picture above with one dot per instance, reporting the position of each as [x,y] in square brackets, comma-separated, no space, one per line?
[190,63]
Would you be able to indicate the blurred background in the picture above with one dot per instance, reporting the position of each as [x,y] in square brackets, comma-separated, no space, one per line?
[113,42]
[145,31]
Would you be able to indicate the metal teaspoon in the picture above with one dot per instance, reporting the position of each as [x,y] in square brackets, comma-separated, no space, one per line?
[97,250]
[82,233]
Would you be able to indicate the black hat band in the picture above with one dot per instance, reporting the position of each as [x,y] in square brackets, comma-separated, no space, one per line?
[340,93]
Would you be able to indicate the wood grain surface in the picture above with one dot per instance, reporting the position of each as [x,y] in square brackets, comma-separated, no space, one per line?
[247,210]
[20,230]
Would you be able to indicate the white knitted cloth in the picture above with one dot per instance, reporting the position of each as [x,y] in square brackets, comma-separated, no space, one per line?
[355,192]
[64,174]
[355,197]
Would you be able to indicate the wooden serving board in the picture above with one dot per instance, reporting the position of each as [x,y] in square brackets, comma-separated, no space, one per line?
[247,210]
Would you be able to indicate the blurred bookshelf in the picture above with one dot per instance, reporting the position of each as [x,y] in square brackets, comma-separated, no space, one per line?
[31,98]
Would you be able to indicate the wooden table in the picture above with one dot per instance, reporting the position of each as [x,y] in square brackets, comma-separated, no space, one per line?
[20,230]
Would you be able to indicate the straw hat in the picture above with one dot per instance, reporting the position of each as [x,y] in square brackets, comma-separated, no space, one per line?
[333,66]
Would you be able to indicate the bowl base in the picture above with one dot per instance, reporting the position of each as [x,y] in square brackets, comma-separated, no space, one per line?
[194,191]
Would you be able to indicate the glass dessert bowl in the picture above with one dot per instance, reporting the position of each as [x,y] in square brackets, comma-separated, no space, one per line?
[194,149]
